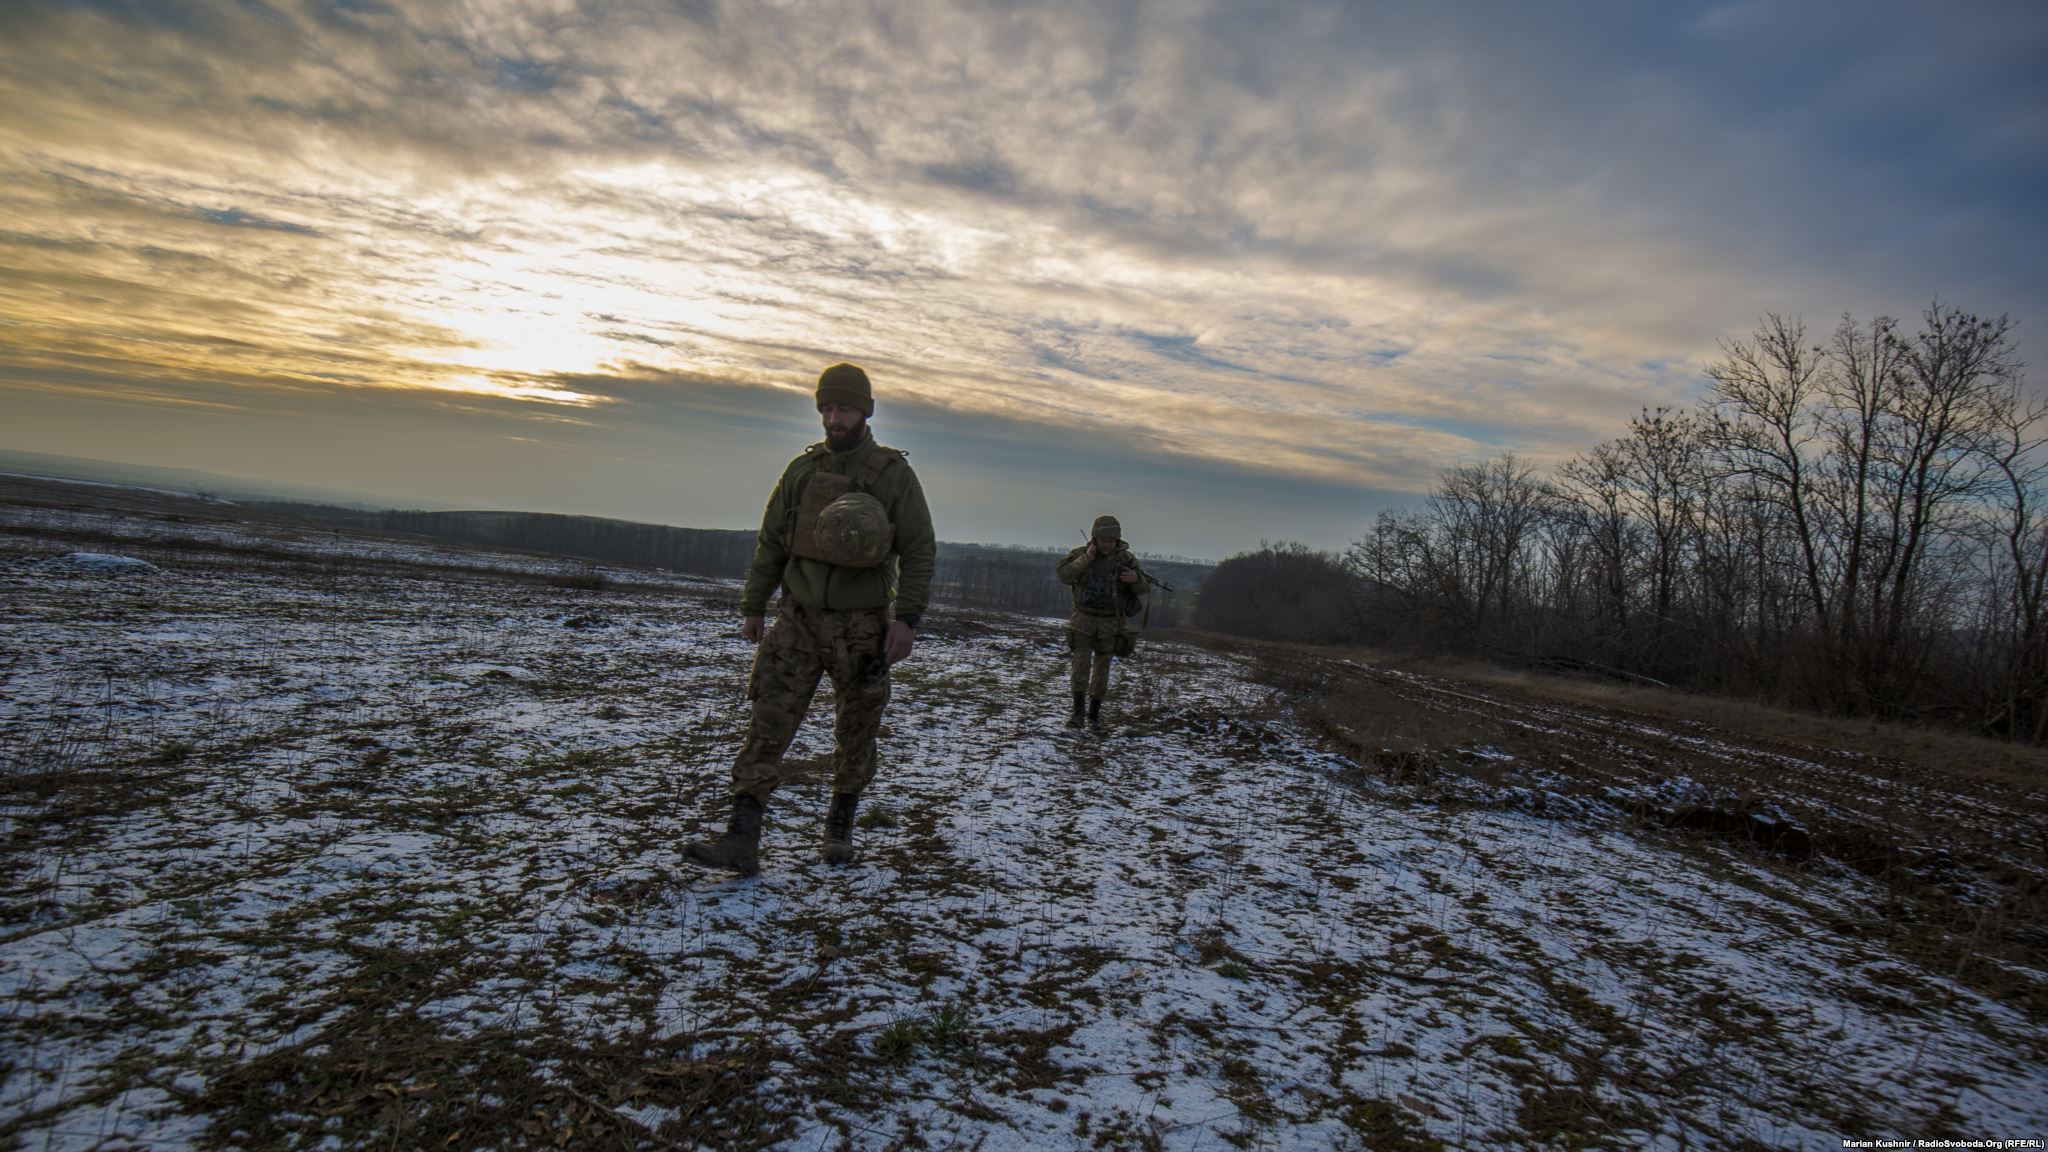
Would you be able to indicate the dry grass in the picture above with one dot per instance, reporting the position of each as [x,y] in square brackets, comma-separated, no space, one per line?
[1957,844]
[1960,754]
[1957,754]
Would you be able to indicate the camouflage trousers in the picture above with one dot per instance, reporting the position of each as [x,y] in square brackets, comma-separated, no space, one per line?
[1092,642]
[802,645]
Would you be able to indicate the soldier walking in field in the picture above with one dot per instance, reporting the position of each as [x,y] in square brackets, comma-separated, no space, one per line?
[1108,587]
[848,539]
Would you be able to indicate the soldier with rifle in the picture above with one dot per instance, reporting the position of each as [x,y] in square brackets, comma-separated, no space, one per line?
[1109,588]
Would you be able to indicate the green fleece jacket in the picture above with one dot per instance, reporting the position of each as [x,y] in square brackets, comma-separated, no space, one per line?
[905,578]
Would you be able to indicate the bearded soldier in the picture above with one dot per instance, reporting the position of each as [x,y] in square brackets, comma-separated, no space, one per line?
[1107,585]
[848,539]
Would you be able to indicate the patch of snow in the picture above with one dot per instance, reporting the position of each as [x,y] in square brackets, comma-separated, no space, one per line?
[102,562]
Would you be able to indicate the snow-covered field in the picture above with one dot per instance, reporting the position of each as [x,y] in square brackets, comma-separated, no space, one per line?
[302,851]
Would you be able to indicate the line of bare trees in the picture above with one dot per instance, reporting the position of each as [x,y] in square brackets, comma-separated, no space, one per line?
[1854,524]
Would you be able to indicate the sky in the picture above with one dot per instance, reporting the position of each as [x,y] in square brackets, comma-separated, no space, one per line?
[1232,272]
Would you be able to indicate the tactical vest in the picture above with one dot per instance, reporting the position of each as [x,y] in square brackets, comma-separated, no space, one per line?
[826,484]
[1096,592]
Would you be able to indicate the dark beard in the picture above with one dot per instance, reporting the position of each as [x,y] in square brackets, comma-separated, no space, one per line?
[838,442]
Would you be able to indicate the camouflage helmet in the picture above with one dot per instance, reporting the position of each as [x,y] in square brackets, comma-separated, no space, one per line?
[854,532]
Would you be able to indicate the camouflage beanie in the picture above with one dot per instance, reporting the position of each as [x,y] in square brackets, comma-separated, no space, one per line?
[848,385]
[1107,526]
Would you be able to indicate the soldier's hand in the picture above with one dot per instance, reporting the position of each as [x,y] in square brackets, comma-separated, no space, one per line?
[901,637]
[1127,575]
[751,629]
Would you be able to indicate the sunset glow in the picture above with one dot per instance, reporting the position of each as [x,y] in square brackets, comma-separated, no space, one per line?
[1308,252]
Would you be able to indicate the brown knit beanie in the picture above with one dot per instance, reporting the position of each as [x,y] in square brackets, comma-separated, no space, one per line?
[1107,526]
[848,385]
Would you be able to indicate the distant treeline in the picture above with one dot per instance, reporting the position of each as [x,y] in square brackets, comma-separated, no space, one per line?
[1857,524]
[966,576]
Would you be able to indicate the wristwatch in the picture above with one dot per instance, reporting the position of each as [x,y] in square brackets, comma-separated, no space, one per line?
[911,618]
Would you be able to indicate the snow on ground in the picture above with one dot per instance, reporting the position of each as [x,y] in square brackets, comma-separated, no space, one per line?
[348,856]
[102,562]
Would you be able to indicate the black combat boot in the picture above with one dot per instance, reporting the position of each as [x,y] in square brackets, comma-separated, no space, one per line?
[740,848]
[839,828]
[1095,713]
[1080,715]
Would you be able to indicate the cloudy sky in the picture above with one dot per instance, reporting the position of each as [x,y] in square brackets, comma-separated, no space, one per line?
[1232,270]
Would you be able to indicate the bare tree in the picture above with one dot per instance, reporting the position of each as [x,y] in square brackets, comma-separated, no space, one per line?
[1662,465]
[1490,512]
[1950,397]
[1764,428]
[1860,385]
[1593,488]
[1860,526]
